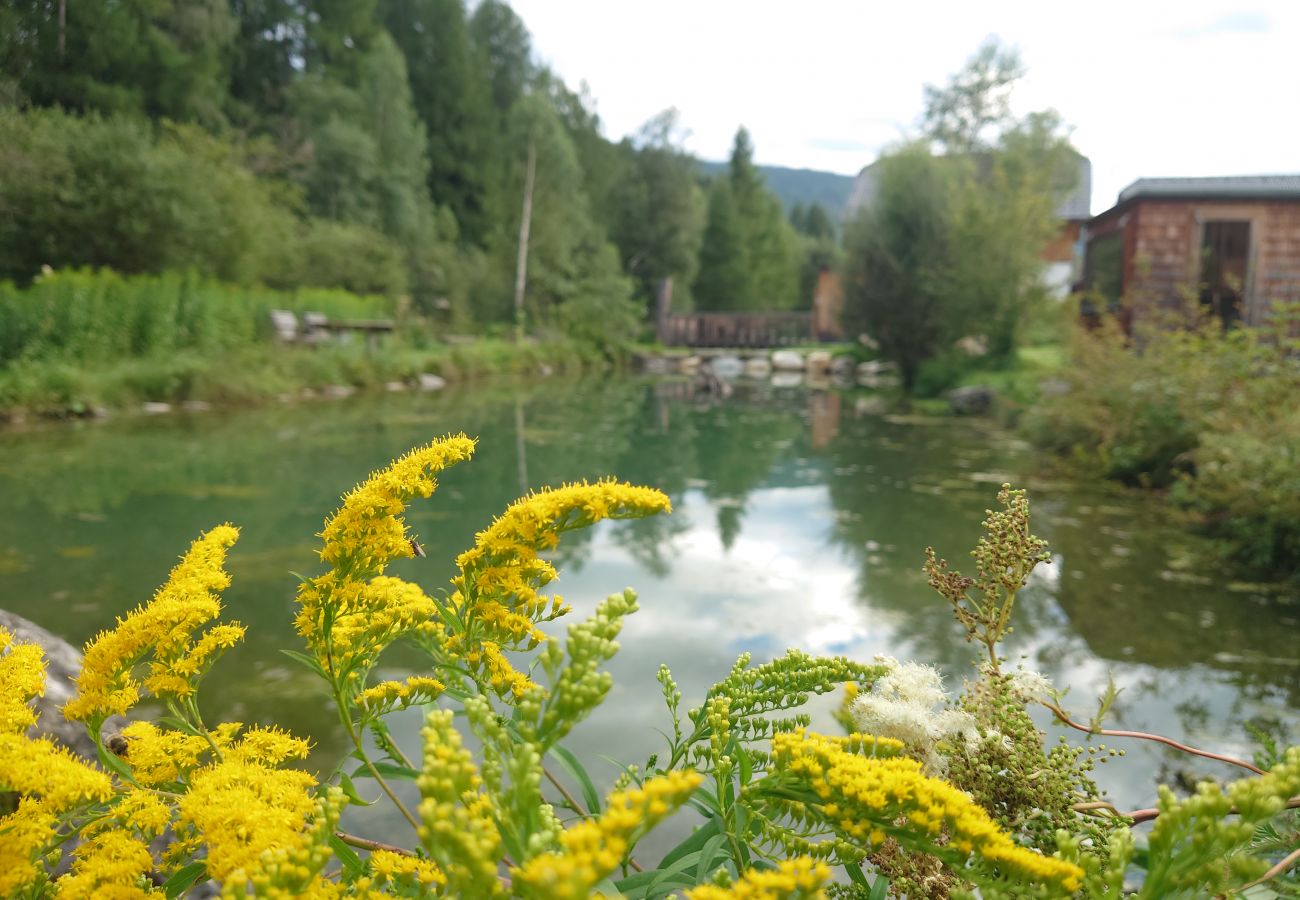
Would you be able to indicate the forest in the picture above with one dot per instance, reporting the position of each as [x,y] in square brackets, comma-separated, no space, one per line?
[380,147]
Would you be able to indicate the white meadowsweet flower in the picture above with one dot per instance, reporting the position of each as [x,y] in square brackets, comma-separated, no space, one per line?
[909,704]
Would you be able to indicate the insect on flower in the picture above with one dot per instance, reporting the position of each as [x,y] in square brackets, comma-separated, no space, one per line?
[416,548]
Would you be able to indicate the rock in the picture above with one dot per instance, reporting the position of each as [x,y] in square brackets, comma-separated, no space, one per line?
[430,382]
[545,371]
[975,400]
[758,367]
[875,367]
[97,412]
[154,408]
[819,362]
[395,387]
[726,366]
[787,361]
[338,391]
[651,364]
[1054,387]
[687,365]
[787,379]
[62,664]
[196,406]
[843,366]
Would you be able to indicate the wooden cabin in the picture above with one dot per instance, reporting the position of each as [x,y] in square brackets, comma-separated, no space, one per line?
[1230,244]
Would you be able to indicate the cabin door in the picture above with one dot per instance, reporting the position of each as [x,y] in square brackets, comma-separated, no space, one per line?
[1225,257]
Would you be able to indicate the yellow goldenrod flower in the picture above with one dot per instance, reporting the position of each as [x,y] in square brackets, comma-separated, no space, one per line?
[108,866]
[41,768]
[164,627]
[137,809]
[388,866]
[799,878]
[593,849]
[22,677]
[268,745]
[388,695]
[24,834]
[866,796]
[497,597]
[242,809]
[160,756]
[367,532]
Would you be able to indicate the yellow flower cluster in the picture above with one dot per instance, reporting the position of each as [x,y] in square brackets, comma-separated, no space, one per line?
[161,756]
[352,613]
[22,677]
[392,867]
[164,626]
[594,848]
[108,866]
[863,797]
[459,822]
[48,779]
[497,595]
[799,878]
[389,695]
[367,532]
[242,809]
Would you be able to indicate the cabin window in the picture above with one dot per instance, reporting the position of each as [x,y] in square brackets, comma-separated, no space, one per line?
[1225,256]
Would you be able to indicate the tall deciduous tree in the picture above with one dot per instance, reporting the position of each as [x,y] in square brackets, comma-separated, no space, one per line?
[950,244]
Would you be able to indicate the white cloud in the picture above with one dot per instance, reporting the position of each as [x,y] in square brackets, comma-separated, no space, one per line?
[1198,88]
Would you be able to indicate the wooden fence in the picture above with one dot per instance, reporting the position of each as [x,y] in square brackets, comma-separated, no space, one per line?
[715,329]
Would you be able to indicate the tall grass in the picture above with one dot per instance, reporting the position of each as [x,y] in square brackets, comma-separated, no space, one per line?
[88,316]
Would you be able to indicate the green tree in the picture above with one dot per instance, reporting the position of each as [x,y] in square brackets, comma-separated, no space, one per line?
[658,210]
[950,245]
[750,256]
[895,251]
[161,59]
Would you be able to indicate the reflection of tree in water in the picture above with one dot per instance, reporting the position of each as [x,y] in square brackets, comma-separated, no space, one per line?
[1185,615]
[896,489]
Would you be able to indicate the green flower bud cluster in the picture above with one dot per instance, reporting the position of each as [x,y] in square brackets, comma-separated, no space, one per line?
[579,687]
[1028,790]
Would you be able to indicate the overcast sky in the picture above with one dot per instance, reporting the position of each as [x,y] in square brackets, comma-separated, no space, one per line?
[1150,89]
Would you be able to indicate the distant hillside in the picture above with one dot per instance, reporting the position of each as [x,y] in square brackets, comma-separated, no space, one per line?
[800,185]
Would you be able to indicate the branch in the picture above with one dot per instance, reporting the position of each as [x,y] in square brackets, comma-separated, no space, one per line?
[1138,816]
[1145,736]
[353,840]
[1287,862]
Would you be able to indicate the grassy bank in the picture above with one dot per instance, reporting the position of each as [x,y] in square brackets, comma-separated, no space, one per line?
[79,342]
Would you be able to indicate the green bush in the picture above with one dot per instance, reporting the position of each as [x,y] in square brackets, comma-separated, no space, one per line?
[1207,413]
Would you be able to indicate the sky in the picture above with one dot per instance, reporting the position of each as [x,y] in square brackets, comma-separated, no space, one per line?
[1149,89]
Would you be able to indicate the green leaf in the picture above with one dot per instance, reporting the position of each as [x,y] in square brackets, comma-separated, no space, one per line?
[350,790]
[746,764]
[352,863]
[694,841]
[879,887]
[571,765]
[709,856]
[308,661]
[183,879]
[388,770]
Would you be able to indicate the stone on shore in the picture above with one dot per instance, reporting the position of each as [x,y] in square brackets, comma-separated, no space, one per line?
[787,361]
[974,400]
[726,366]
[430,382]
[758,367]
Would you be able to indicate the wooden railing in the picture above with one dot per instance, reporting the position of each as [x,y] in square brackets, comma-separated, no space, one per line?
[716,329]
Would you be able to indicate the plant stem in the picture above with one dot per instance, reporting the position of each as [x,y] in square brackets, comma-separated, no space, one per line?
[361,843]
[1145,736]
[1285,863]
[365,758]
[574,804]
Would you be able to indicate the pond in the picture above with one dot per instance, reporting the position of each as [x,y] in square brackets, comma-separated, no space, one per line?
[800,520]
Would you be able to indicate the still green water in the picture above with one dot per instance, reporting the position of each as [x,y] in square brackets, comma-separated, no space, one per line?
[798,522]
